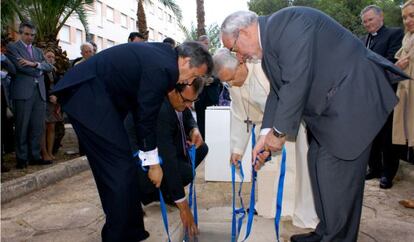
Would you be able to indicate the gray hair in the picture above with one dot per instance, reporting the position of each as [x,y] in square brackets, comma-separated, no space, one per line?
[203,37]
[377,10]
[86,44]
[224,59]
[236,21]
[197,52]
[26,25]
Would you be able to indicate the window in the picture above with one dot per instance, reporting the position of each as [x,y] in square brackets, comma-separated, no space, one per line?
[124,22]
[169,18]
[151,34]
[110,14]
[99,17]
[78,36]
[109,43]
[99,43]
[160,13]
[133,24]
[65,33]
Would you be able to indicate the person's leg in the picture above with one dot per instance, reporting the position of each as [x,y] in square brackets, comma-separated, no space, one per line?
[390,153]
[36,125]
[43,146]
[116,177]
[22,117]
[341,188]
[50,138]
[201,153]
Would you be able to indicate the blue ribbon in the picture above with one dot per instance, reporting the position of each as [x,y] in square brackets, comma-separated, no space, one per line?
[252,192]
[192,200]
[162,202]
[236,227]
[280,192]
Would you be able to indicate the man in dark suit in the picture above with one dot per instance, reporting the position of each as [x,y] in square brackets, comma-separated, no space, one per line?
[384,158]
[176,128]
[29,96]
[209,96]
[98,93]
[321,73]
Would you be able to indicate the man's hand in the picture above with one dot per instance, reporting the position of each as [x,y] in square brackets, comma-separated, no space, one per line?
[234,158]
[155,175]
[196,137]
[24,62]
[274,143]
[187,218]
[257,149]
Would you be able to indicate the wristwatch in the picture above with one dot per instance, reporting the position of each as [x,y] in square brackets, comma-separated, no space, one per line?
[278,134]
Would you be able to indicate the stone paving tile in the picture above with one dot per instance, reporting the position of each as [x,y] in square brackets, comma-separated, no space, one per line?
[70,210]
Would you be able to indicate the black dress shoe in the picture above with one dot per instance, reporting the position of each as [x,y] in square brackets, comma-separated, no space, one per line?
[21,164]
[385,183]
[371,175]
[308,237]
[143,236]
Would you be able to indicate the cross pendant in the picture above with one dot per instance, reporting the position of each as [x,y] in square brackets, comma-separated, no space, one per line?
[248,122]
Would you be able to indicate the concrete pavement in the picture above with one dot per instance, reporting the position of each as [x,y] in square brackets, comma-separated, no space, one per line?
[70,210]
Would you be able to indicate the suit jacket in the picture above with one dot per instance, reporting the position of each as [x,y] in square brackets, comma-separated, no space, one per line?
[22,86]
[386,43]
[170,147]
[321,72]
[132,77]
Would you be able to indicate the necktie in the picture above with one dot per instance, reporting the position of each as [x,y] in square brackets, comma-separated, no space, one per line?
[29,50]
[180,119]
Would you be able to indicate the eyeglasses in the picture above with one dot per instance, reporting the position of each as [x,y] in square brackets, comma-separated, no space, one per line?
[233,48]
[185,100]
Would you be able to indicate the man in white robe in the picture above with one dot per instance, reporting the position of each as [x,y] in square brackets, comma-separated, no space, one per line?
[249,90]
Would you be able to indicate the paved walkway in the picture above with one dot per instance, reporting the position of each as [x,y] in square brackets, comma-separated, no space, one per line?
[70,210]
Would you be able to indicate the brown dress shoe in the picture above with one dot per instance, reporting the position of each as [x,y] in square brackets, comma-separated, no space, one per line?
[407,203]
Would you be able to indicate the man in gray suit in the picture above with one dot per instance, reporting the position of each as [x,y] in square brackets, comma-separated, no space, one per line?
[28,94]
[321,73]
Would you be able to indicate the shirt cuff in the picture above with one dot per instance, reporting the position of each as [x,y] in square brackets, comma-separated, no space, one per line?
[180,200]
[38,66]
[149,158]
[265,131]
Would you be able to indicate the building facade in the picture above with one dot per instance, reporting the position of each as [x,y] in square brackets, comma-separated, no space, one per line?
[111,21]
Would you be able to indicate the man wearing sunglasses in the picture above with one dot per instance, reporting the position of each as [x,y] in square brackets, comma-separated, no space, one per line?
[176,131]
[29,96]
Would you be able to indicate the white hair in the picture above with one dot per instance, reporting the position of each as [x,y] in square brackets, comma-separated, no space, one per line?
[224,59]
[86,44]
[236,21]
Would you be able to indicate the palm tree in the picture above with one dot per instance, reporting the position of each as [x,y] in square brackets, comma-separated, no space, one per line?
[141,18]
[213,33]
[48,16]
[200,18]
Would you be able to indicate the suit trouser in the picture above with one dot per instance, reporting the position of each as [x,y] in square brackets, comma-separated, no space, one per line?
[384,158]
[116,178]
[338,189]
[30,115]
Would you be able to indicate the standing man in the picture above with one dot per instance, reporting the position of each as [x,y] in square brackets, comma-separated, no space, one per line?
[342,93]
[210,94]
[98,93]
[384,158]
[87,51]
[29,96]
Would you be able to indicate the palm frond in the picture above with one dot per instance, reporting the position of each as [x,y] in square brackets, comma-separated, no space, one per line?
[171,4]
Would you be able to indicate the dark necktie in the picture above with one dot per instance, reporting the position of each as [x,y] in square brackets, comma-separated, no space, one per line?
[183,139]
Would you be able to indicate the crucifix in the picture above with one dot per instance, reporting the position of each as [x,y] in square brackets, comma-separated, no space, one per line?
[248,122]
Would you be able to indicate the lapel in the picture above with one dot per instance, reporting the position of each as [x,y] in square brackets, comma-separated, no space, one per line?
[376,39]
[23,51]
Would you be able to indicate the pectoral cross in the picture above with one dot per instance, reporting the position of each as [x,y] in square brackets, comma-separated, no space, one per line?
[248,122]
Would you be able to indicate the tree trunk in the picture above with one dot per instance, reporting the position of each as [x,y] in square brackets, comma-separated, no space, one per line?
[200,18]
[141,19]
